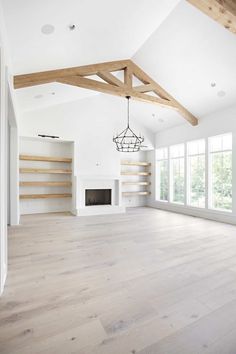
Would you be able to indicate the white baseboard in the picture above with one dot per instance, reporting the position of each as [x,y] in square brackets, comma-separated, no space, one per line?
[215,215]
[4,278]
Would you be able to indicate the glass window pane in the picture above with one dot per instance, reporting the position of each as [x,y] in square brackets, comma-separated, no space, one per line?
[196,173]
[220,142]
[197,181]
[178,180]
[215,143]
[177,150]
[221,180]
[227,142]
[201,146]
[162,153]
[196,147]
[162,177]
[164,180]
[192,148]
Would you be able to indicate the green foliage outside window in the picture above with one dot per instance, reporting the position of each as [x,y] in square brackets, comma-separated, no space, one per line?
[219,177]
[197,180]
[222,180]
[178,180]
[164,180]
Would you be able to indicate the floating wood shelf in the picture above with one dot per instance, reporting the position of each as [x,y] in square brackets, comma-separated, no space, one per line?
[128,173]
[45,158]
[44,170]
[135,163]
[45,196]
[136,193]
[45,184]
[136,183]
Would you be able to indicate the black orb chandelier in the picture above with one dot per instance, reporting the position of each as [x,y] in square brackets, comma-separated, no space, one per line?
[127,140]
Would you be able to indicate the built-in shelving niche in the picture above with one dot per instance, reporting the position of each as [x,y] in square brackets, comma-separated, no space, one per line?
[135,178]
[46,175]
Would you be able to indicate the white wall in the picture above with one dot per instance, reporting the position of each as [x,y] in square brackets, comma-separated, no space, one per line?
[91,123]
[217,123]
[13,177]
[3,157]
[185,54]
[3,171]
[6,117]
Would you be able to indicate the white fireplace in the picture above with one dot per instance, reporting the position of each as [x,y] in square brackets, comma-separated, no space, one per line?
[98,195]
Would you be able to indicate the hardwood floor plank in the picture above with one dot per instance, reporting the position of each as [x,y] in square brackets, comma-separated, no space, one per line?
[145,282]
[199,337]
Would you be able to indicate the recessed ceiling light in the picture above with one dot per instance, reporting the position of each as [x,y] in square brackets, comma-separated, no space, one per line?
[53,93]
[38,96]
[72,27]
[47,29]
[221,93]
[213,84]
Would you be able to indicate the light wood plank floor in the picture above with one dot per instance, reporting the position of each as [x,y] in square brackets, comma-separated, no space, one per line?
[144,282]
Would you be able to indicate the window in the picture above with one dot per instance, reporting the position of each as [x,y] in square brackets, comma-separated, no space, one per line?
[206,178]
[162,174]
[196,173]
[177,173]
[220,172]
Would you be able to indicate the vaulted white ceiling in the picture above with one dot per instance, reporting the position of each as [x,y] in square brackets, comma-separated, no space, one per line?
[105,30]
[181,48]
[186,54]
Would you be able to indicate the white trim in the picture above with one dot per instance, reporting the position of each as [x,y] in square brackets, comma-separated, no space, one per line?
[195,211]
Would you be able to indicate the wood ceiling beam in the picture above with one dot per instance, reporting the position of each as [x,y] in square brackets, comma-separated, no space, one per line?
[144,88]
[142,76]
[146,79]
[46,77]
[109,78]
[128,76]
[113,90]
[18,84]
[222,11]
[112,85]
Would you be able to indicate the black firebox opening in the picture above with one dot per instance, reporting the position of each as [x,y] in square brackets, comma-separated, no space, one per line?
[98,196]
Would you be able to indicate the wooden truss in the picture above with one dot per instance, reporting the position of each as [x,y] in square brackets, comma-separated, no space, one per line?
[222,11]
[148,91]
